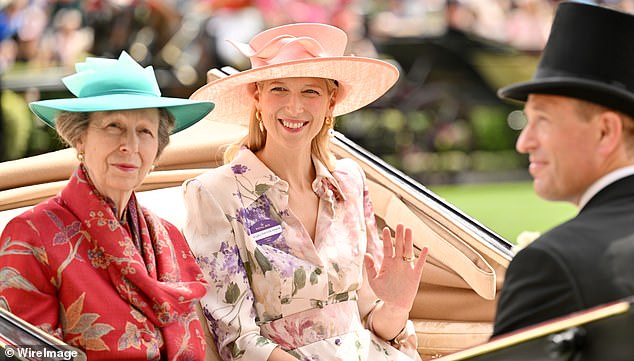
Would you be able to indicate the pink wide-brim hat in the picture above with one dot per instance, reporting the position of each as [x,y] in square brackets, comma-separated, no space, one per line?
[299,50]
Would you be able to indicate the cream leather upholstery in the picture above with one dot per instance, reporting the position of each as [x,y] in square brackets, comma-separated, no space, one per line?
[455,305]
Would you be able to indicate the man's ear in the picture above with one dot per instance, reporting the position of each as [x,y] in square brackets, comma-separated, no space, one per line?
[611,126]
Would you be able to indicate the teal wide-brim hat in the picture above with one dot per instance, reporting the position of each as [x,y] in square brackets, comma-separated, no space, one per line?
[102,84]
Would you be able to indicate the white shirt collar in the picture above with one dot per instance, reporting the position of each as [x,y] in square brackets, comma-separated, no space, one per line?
[604,182]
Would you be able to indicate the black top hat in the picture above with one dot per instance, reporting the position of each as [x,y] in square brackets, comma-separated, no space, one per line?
[589,55]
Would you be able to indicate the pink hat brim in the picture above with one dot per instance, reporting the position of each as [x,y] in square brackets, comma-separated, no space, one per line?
[361,81]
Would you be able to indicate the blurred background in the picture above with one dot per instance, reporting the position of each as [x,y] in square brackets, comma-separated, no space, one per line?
[442,124]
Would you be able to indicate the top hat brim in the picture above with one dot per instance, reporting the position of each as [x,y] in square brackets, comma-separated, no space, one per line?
[361,81]
[612,96]
[186,112]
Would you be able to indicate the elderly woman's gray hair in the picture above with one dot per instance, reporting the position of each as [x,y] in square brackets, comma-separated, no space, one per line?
[71,126]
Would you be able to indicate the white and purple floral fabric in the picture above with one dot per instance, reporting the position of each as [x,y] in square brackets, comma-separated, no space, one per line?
[270,284]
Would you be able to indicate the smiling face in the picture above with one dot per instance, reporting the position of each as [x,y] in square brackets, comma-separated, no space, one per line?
[293,111]
[119,149]
[564,147]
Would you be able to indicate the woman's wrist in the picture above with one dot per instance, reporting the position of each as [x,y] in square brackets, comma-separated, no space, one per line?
[395,309]
[399,336]
[389,321]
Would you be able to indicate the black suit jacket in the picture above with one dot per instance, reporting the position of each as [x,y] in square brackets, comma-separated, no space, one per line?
[579,264]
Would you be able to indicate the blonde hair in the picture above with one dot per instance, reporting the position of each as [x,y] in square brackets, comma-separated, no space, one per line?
[256,138]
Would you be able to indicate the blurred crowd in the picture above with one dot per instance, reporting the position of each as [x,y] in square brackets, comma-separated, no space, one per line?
[187,36]
[442,106]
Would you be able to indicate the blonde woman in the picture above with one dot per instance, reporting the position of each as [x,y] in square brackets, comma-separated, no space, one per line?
[284,233]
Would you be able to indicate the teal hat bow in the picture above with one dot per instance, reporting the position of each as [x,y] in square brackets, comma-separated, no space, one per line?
[102,84]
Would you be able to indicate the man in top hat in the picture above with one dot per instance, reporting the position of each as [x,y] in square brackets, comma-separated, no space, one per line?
[579,138]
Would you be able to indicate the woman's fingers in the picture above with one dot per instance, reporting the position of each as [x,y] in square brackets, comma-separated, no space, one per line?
[403,243]
[422,258]
[388,247]
[408,245]
[402,248]
[399,234]
[370,266]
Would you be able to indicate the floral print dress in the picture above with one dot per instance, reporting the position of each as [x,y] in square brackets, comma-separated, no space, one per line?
[269,284]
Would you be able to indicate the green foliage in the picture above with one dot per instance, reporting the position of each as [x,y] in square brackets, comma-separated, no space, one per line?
[453,136]
[490,129]
[24,134]
[43,139]
[17,125]
[506,208]
[488,161]
[435,149]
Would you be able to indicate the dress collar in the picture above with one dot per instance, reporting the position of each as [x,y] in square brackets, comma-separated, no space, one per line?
[251,169]
[325,183]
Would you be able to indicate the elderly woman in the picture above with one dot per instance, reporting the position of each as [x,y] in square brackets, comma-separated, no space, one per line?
[91,265]
[284,232]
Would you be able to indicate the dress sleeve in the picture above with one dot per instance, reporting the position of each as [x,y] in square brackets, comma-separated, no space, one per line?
[228,304]
[25,274]
[531,293]
[367,299]
[406,340]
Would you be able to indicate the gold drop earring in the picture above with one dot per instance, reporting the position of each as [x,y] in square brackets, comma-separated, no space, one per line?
[330,124]
[258,117]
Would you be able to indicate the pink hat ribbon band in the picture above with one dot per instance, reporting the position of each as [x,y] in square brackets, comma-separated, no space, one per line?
[281,49]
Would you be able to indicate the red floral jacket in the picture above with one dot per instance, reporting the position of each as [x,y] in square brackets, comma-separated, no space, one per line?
[69,267]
